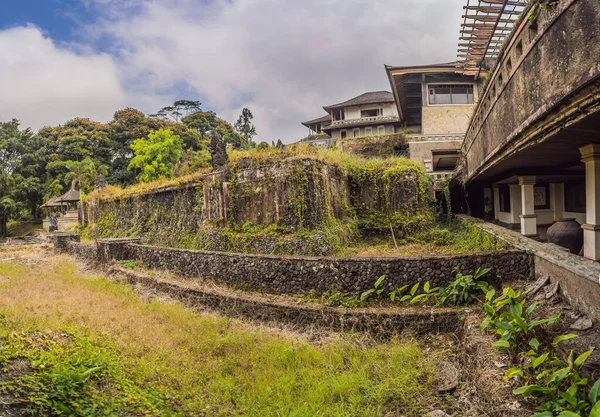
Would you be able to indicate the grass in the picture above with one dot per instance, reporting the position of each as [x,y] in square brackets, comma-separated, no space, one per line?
[17,229]
[443,238]
[94,347]
[259,157]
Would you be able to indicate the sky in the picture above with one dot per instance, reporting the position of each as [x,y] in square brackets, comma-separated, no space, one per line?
[283,59]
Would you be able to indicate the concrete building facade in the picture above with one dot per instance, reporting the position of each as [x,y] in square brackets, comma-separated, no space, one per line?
[435,104]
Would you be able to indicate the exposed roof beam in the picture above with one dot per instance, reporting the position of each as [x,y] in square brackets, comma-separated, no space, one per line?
[488,18]
[491,9]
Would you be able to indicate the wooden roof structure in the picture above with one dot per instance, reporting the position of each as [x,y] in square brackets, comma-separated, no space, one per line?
[53,202]
[486,26]
[70,196]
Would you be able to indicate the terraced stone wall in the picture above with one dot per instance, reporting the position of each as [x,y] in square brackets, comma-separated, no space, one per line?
[296,274]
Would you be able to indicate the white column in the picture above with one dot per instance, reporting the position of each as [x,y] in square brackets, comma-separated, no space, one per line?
[496,203]
[590,155]
[515,204]
[528,217]
[557,191]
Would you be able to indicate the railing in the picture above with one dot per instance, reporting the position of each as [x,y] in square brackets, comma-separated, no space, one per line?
[374,119]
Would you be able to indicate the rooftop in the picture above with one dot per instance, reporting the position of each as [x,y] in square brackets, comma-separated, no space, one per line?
[373,97]
[322,119]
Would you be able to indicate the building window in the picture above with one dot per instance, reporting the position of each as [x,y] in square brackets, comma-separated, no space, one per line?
[370,113]
[339,114]
[343,134]
[541,196]
[381,130]
[440,94]
[444,160]
[356,133]
[368,131]
[575,196]
[504,192]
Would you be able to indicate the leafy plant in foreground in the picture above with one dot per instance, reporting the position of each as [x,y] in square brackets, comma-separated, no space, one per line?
[462,290]
[509,319]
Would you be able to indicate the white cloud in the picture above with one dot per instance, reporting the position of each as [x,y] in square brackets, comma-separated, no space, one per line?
[44,84]
[284,59]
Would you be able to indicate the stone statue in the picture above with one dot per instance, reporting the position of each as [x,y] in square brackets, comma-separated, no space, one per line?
[53,223]
[218,151]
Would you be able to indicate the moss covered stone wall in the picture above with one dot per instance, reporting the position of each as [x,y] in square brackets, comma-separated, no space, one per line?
[303,206]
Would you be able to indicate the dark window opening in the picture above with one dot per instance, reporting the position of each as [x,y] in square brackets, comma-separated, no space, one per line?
[575,197]
[444,160]
[370,113]
[451,94]
[541,196]
[339,115]
[504,192]
[343,134]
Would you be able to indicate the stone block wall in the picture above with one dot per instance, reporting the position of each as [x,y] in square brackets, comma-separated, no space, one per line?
[290,206]
[296,274]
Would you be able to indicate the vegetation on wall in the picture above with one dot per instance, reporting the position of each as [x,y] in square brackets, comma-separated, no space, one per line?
[316,213]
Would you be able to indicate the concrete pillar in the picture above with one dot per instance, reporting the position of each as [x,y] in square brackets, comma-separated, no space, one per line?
[496,203]
[590,155]
[557,191]
[515,205]
[528,217]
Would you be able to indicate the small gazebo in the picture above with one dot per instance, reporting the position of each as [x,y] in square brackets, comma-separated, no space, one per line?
[67,216]
[70,197]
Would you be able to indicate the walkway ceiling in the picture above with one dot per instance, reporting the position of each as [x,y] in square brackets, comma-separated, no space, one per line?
[487,25]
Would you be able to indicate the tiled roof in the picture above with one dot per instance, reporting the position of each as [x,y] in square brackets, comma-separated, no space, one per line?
[322,119]
[366,98]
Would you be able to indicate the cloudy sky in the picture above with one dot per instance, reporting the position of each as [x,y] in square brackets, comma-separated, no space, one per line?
[283,59]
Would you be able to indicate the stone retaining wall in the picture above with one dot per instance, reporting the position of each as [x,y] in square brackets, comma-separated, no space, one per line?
[295,274]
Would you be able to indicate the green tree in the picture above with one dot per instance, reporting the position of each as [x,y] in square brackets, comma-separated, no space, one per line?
[177,110]
[84,173]
[245,128]
[203,122]
[22,174]
[127,125]
[76,140]
[207,122]
[156,156]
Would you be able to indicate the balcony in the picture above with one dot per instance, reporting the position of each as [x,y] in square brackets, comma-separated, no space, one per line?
[365,121]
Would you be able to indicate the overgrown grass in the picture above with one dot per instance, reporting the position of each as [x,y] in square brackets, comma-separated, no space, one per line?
[114,352]
[442,238]
[259,157]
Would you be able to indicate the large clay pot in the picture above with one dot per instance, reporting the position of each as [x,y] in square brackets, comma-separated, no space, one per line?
[566,233]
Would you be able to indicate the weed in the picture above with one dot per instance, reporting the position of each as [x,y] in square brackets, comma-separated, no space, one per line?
[129,264]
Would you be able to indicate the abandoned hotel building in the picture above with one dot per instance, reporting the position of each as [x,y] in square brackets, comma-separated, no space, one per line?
[515,121]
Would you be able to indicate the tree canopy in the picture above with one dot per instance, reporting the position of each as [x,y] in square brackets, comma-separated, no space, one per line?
[245,128]
[156,156]
[131,147]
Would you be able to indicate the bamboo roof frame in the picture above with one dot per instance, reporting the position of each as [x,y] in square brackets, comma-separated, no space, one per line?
[486,26]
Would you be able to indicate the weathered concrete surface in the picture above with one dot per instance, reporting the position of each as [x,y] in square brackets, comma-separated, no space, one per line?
[547,80]
[296,274]
[578,277]
[439,120]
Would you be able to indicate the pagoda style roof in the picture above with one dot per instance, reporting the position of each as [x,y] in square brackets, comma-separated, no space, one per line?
[373,97]
[322,119]
[53,202]
[70,196]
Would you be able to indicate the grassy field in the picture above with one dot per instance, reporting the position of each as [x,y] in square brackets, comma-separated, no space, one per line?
[76,343]
[442,238]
